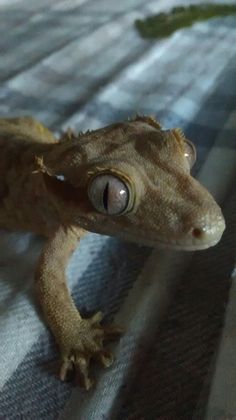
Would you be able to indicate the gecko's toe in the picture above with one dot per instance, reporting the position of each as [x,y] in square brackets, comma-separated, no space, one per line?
[82,373]
[66,371]
[77,368]
[96,318]
[112,332]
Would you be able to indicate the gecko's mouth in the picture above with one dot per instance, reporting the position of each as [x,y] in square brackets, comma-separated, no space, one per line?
[183,244]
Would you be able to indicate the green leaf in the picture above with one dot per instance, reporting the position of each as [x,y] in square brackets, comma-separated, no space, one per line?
[165,24]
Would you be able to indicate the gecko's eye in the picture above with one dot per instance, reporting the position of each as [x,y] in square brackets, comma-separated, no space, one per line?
[190,153]
[109,194]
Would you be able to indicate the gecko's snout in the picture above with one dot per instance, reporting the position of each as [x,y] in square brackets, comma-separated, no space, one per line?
[207,231]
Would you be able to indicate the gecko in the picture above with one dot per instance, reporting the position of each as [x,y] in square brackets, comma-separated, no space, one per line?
[129,179]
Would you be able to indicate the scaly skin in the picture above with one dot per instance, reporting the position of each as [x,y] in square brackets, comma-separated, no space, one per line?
[45,187]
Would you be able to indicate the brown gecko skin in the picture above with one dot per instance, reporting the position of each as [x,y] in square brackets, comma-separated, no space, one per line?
[130,179]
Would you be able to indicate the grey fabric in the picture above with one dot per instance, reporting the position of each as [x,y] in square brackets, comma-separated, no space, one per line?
[82,64]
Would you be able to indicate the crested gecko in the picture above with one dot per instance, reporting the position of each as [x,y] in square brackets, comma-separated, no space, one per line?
[130,179]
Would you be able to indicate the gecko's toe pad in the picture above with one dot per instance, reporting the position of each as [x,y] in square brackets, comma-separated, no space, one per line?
[84,342]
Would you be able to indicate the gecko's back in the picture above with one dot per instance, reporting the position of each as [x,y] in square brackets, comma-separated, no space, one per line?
[21,139]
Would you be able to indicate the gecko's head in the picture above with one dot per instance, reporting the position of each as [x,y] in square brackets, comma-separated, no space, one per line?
[135,182]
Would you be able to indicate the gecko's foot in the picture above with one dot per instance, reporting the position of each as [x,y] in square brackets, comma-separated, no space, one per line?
[83,344]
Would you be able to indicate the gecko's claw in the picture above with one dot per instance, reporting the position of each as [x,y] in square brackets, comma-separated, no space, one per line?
[83,343]
[106,358]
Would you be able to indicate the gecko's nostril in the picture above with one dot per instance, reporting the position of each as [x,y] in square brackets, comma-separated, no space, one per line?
[197,233]
[205,228]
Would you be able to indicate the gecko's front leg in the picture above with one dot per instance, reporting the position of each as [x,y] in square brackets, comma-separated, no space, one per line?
[79,340]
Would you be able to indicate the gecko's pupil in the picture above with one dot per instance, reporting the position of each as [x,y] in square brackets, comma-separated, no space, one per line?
[105,196]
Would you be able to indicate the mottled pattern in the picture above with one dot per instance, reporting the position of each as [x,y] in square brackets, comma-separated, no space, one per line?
[82,64]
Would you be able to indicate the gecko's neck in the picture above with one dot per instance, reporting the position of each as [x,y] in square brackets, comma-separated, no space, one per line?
[61,156]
